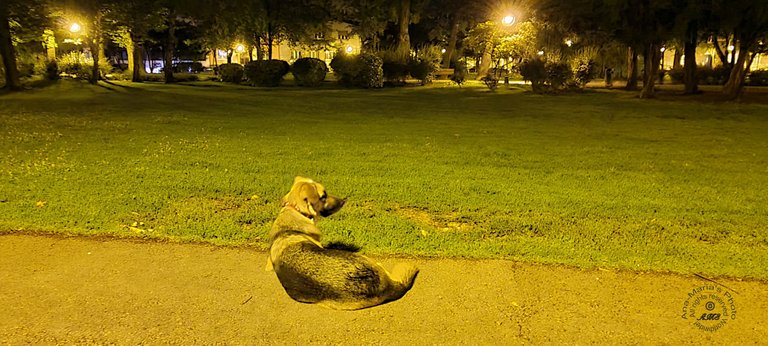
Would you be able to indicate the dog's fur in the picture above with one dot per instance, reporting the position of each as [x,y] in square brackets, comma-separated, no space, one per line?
[333,278]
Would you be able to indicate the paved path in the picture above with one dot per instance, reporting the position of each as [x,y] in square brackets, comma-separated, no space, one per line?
[80,290]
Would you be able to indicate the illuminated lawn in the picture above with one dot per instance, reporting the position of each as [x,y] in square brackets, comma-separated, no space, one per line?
[595,179]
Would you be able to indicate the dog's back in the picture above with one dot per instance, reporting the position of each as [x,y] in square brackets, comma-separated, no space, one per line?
[336,278]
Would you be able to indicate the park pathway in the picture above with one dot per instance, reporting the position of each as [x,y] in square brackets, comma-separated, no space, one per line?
[60,290]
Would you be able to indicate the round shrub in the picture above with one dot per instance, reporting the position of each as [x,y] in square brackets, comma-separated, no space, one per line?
[266,73]
[345,67]
[534,71]
[558,73]
[370,73]
[309,71]
[585,72]
[422,70]
[231,73]
[758,78]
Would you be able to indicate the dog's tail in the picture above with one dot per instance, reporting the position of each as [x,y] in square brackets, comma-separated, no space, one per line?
[404,276]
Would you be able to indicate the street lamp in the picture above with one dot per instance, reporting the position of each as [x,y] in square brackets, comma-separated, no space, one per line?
[508,20]
[74,28]
[240,48]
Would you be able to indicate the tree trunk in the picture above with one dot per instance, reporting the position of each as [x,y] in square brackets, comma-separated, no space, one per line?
[651,60]
[7,50]
[170,44]
[485,62]
[403,20]
[129,50]
[719,50]
[448,55]
[269,41]
[138,61]
[259,49]
[94,44]
[735,84]
[690,78]
[676,59]
[230,52]
[632,70]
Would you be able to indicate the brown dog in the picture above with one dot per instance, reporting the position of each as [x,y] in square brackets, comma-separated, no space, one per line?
[333,278]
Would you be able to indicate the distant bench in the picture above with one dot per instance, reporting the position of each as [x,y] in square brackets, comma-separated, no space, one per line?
[444,73]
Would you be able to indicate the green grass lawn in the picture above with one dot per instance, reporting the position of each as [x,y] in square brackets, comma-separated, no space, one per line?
[593,179]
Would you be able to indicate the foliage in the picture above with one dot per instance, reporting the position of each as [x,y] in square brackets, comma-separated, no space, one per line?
[585,72]
[713,76]
[758,78]
[231,73]
[188,67]
[266,73]
[426,62]
[459,73]
[534,71]
[490,81]
[371,74]
[558,73]
[75,64]
[363,70]
[677,75]
[309,71]
[52,70]
[394,65]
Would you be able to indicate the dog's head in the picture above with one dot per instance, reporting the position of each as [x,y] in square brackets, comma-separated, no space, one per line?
[310,199]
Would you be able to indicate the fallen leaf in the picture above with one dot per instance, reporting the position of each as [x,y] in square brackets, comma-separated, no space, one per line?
[40,204]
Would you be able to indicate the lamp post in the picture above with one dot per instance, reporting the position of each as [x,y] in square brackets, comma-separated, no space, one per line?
[74,28]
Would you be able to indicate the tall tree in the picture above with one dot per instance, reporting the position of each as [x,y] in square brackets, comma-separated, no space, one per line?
[7,50]
[28,18]
[131,22]
[748,20]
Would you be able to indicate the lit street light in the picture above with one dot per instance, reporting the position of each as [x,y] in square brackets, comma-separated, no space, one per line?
[508,20]
[74,28]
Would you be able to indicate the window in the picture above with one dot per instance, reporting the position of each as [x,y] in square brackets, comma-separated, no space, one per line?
[329,55]
[320,36]
[295,55]
[314,54]
[343,35]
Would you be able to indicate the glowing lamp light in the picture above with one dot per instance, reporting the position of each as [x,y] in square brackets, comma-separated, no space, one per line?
[662,49]
[569,42]
[74,27]
[731,48]
[508,20]
[443,51]
[540,53]
[349,49]
[240,48]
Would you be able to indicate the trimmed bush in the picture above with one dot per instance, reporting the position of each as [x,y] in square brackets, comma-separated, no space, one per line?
[231,73]
[758,78]
[364,70]
[266,73]
[394,65]
[422,70]
[189,67]
[585,72]
[345,68]
[371,73]
[558,73]
[714,76]
[534,71]
[677,75]
[309,71]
